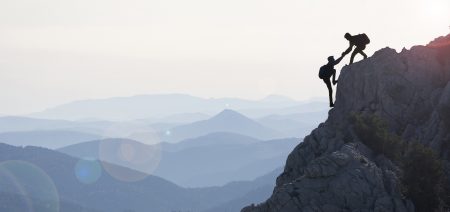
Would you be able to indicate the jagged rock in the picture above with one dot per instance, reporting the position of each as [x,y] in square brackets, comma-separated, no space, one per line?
[331,170]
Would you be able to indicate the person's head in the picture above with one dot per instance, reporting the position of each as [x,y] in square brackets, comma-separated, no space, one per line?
[347,36]
[331,59]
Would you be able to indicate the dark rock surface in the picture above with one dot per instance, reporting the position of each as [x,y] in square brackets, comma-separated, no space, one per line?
[332,170]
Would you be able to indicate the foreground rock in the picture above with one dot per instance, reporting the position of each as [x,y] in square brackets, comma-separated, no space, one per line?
[332,170]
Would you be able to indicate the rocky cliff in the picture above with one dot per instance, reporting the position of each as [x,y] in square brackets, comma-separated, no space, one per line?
[333,169]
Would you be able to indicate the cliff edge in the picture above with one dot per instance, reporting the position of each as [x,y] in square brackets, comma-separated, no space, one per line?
[334,168]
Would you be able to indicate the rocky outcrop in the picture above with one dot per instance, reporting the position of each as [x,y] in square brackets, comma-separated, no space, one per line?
[332,170]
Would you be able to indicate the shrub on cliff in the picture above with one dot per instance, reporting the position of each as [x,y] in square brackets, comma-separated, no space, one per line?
[423,177]
[373,132]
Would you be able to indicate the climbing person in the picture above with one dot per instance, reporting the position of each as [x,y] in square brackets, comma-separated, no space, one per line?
[327,71]
[360,41]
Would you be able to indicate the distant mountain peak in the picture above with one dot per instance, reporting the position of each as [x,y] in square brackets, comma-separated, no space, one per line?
[154,106]
[225,121]
[229,114]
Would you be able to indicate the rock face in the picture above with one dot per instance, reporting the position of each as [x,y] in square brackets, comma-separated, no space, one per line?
[332,170]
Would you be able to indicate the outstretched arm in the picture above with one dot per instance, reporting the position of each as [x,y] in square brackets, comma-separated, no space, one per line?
[349,49]
[339,59]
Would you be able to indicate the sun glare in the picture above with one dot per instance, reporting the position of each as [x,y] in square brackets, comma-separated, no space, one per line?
[437,8]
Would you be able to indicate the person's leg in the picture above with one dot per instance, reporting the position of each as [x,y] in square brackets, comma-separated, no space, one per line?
[330,91]
[364,54]
[334,77]
[353,56]
[358,50]
[361,51]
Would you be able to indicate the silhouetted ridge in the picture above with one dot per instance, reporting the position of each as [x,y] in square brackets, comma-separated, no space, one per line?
[355,160]
[22,189]
[443,41]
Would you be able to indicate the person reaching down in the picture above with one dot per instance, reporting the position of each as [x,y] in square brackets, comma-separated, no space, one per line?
[360,42]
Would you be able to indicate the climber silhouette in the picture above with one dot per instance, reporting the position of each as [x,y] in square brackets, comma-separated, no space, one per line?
[327,71]
[360,41]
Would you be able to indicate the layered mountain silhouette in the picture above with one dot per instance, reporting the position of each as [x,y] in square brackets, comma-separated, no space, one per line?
[212,139]
[10,201]
[19,124]
[294,125]
[198,162]
[312,106]
[384,146]
[107,193]
[225,121]
[217,164]
[180,118]
[46,138]
[150,106]
[15,123]
[38,179]
[256,195]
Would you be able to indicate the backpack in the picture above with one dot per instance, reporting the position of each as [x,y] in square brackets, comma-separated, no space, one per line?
[362,39]
[324,72]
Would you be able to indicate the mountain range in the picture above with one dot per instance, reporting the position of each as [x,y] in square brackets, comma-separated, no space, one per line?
[158,106]
[58,133]
[46,138]
[22,123]
[210,160]
[225,121]
[39,179]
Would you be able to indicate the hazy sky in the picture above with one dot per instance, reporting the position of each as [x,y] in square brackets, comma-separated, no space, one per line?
[55,51]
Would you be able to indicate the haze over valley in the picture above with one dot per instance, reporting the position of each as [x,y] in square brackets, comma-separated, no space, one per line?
[204,154]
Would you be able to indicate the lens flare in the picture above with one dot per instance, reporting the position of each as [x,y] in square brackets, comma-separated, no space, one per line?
[88,171]
[29,185]
[168,132]
[135,146]
[436,10]
[142,158]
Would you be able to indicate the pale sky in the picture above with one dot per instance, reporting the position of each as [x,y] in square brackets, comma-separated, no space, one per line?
[57,51]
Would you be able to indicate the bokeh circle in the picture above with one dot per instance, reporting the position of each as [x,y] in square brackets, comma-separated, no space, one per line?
[27,188]
[88,170]
[130,151]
